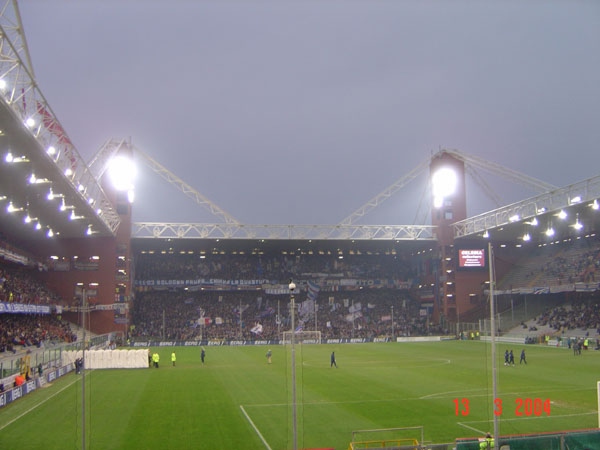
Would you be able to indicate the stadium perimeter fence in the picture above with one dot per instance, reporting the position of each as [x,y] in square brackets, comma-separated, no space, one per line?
[563,440]
[33,358]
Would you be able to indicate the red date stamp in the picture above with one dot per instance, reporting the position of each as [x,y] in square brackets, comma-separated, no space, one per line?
[524,407]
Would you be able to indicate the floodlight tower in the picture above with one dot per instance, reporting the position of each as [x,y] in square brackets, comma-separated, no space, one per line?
[114,167]
[449,204]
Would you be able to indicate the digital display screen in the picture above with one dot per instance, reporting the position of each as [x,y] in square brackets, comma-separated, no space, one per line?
[471,258]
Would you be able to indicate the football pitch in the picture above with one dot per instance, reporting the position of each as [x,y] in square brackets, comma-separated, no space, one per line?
[238,401]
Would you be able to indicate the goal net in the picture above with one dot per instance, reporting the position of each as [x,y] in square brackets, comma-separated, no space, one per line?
[302,337]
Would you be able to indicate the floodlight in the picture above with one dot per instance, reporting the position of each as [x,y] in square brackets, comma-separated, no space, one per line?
[526,237]
[562,214]
[122,171]
[443,183]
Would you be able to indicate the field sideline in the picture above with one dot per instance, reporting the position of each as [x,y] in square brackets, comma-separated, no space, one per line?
[238,401]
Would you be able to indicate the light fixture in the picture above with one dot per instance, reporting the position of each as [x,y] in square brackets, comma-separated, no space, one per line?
[89,230]
[577,225]
[52,195]
[550,231]
[514,218]
[594,205]
[50,233]
[562,214]
[122,172]
[443,183]
[574,200]
[526,237]
[10,208]
[30,122]
[74,216]
[533,222]
[486,234]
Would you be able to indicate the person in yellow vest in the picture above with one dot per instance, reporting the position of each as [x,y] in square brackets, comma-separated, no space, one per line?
[155,359]
[586,343]
[173,358]
[487,442]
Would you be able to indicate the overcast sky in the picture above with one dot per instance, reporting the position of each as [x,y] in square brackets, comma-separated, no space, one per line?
[299,112]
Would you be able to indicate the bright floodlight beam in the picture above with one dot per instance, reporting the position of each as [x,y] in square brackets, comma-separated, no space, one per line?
[122,171]
[443,183]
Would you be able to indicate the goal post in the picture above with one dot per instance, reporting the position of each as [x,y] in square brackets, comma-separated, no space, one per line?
[399,438]
[302,337]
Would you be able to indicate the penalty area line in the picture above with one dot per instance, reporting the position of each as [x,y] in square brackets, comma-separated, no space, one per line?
[255,429]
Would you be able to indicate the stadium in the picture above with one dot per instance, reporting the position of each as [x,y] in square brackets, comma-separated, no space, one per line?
[123,334]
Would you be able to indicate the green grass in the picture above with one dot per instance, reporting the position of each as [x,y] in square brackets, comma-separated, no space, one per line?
[376,386]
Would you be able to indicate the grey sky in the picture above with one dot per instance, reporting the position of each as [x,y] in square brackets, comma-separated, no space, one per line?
[286,112]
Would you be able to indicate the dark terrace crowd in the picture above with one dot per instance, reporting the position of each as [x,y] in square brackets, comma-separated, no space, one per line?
[20,331]
[583,315]
[252,315]
[23,331]
[272,267]
[18,285]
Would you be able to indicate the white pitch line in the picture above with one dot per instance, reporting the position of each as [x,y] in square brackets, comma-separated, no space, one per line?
[255,429]
[39,404]
[471,428]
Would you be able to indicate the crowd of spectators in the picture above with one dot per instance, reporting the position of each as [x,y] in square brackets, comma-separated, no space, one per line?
[578,267]
[252,315]
[21,331]
[583,315]
[269,266]
[17,331]
[18,285]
